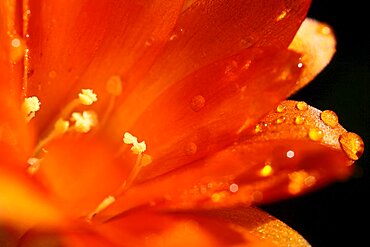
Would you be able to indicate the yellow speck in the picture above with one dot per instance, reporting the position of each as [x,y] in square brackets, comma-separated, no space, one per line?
[83,122]
[282,15]
[329,118]
[29,106]
[87,97]
[114,85]
[280,120]
[258,128]
[217,197]
[302,106]
[266,170]
[315,134]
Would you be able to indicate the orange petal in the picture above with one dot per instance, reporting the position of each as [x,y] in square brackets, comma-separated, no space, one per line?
[81,173]
[272,162]
[207,32]
[316,41]
[80,44]
[208,109]
[24,203]
[233,227]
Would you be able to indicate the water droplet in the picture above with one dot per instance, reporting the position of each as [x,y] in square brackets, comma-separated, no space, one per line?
[233,188]
[217,197]
[197,103]
[352,145]
[280,108]
[280,120]
[302,106]
[300,65]
[299,120]
[329,118]
[191,148]
[258,128]
[315,134]
[297,181]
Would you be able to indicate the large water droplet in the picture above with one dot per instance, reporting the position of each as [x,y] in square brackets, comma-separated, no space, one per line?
[197,103]
[329,118]
[352,145]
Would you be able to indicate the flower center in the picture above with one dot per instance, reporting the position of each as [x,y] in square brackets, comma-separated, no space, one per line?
[70,120]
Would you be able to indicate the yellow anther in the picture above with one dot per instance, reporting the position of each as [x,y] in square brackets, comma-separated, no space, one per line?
[137,147]
[84,122]
[29,106]
[129,139]
[61,126]
[87,97]
[114,85]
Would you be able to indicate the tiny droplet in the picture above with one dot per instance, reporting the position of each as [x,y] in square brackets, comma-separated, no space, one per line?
[280,108]
[290,154]
[301,105]
[299,120]
[280,120]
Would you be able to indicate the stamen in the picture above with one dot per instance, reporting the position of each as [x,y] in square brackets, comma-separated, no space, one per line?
[103,205]
[114,88]
[85,121]
[137,147]
[29,106]
[87,97]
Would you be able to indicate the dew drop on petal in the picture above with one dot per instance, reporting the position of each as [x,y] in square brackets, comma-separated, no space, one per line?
[352,145]
[280,108]
[197,103]
[191,148]
[315,134]
[18,49]
[266,170]
[329,118]
[302,106]
[299,120]
[280,120]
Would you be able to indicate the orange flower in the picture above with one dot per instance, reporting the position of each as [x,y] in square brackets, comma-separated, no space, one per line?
[161,123]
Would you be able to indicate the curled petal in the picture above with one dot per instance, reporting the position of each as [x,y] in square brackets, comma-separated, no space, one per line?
[316,41]
[280,159]
[232,227]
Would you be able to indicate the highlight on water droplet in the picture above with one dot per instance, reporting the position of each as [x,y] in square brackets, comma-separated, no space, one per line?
[197,103]
[329,118]
[315,134]
[290,154]
[352,145]
[280,108]
[233,188]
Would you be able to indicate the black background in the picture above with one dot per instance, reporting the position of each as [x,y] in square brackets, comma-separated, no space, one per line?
[338,214]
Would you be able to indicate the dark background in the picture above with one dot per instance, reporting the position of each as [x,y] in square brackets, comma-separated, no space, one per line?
[338,214]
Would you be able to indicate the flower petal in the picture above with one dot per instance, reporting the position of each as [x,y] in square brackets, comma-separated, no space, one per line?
[208,109]
[231,227]
[80,173]
[316,41]
[23,202]
[81,44]
[283,159]
[207,32]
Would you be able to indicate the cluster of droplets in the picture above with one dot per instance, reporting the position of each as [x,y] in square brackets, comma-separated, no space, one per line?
[350,142]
